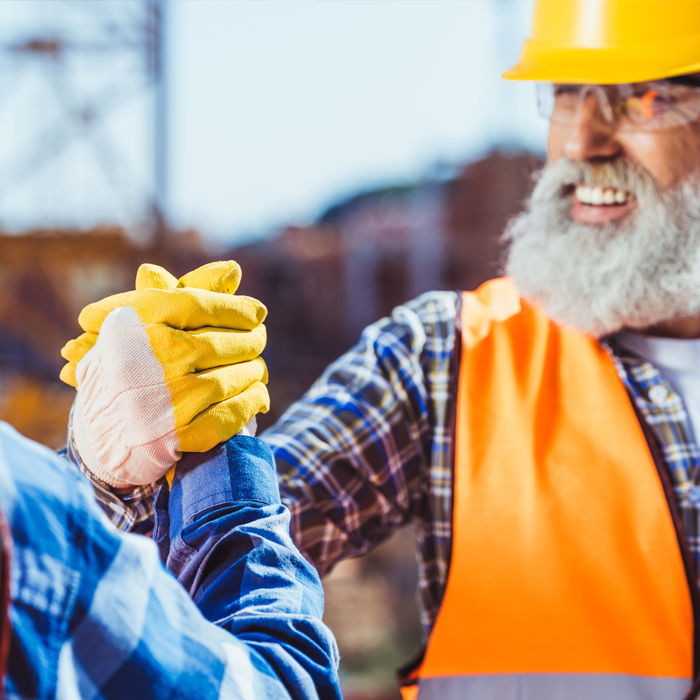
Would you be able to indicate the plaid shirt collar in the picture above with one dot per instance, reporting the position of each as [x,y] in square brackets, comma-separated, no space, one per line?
[664,412]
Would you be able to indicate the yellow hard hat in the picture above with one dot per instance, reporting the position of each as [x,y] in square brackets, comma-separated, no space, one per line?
[610,41]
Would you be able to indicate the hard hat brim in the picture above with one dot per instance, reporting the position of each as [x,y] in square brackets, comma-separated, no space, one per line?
[549,62]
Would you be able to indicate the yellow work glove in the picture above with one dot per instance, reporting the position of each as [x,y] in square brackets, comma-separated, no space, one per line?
[166,369]
[223,277]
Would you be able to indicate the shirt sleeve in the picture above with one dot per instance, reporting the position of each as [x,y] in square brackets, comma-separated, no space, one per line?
[354,454]
[255,630]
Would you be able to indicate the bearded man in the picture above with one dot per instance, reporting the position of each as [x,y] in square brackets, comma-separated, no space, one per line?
[541,432]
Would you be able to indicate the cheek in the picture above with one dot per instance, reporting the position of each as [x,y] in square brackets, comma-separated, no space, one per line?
[650,151]
[669,156]
[555,143]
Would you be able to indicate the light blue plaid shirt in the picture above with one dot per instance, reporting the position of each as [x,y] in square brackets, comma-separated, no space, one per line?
[95,614]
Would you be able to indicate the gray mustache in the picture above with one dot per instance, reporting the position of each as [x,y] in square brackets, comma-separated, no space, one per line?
[557,179]
[635,272]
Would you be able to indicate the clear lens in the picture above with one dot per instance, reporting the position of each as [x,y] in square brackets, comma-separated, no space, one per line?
[656,105]
[545,99]
[651,106]
[559,102]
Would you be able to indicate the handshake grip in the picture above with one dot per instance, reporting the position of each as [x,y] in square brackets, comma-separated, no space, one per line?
[173,366]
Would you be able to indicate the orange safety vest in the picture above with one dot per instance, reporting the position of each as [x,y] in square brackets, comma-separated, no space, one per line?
[569,576]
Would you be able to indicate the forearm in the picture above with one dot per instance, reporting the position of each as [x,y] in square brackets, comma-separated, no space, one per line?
[357,455]
[228,542]
[209,522]
[148,638]
[352,452]
[126,628]
[223,533]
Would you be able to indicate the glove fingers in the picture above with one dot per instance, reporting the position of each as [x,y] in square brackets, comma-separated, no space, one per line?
[215,347]
[223,277]
[217,277]
[197,392]
[223,420]
[92,316]
[74,350]
[189,309]
[181,353]
[154,277]
[68,375]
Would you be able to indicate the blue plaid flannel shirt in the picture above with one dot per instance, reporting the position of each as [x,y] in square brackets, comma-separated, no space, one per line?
[95,614]
[367,449]
[666,415]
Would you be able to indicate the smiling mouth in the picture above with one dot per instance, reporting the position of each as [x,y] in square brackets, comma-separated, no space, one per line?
[602,196]
[600,205]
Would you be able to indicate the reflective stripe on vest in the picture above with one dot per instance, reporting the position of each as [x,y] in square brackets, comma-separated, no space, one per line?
[550,686]
[566,579]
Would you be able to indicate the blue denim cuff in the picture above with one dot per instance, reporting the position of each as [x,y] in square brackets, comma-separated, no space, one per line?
[240,471]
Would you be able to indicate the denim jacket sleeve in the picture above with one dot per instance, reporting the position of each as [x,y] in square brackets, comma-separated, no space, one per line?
[209,526]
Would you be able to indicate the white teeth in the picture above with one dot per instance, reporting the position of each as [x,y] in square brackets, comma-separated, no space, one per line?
[599,195]
[583,194]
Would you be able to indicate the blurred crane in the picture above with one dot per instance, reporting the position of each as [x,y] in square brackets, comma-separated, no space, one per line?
[83,115]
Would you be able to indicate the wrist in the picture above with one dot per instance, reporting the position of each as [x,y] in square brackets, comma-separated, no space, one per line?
[84,456]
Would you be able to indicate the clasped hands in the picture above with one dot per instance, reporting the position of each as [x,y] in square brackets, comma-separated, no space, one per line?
[168,368]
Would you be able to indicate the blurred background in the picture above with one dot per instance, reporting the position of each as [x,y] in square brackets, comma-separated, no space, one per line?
[350,155]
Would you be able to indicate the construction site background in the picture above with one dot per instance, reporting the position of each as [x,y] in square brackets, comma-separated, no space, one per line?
[322,284]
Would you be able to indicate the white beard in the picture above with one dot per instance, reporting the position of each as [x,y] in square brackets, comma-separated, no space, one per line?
[633,273]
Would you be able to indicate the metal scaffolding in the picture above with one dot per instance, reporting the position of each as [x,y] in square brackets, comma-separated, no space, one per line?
[83,106]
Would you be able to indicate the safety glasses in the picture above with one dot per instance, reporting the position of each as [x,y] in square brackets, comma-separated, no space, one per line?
[650,106]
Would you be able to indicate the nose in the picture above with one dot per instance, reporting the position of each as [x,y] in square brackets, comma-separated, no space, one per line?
[590,136]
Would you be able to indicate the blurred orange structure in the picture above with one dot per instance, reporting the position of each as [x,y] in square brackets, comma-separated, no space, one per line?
[46,278]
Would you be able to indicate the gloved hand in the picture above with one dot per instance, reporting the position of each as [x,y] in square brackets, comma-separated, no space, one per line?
[223,277]
[170,367]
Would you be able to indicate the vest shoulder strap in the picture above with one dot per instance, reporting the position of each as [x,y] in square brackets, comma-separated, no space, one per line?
[494,301]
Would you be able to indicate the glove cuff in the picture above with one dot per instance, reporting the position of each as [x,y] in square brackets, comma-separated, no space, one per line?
[85,454]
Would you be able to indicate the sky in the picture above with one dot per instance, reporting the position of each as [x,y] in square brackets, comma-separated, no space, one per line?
[277,109]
